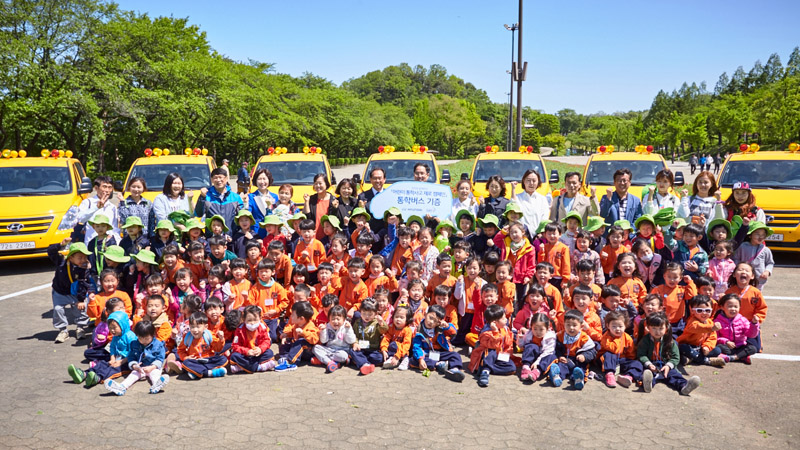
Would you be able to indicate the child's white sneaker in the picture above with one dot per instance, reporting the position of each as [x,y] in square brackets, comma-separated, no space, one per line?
[80,333]
[159,384]
[62,337]
[113,386]
[403,364]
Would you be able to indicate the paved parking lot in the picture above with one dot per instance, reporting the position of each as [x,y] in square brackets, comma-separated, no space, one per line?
[737,407]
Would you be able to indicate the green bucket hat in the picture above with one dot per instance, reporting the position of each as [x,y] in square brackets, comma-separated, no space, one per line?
[360,212]
[664,216]
[132,221]
[417,219]
[489,219]
[542,224]
[736,223]
[179,216]
[594,223]
[100,219]
[78,247]
[218,217]
[512,207]
[624,224]
[465,212]
[333,220]
[165,224]
[721,222]
[756,225]
[445,223]
[644,218]
[244,213]
[271,220]
[117,254]
[393,211]
[295,218]
[145,256]
[573,215]
[194,222]
[681,223]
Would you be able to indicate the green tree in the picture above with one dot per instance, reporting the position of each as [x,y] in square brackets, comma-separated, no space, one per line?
[547,124]
[556,141]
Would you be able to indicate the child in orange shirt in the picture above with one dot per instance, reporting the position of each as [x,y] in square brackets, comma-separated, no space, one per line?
[338,256]
[237,289]
[379,275]
[507,290]
[626,277]
[535,303]
[109,280]
[215,309]
[611,300]
[609,254]
[309,250]
[298,338]
[250,351]
[586,276]
[253,256]
[300,293]
[155,313]
[198,350]
[363,248]
[300,276]
[327,302]
[675,296]
[415,301]
[328,283]
[154,285]
[652,304]
[444,265]
[269,296]
[743,283]
[551,294]
[171,262]
[190,305]
[556,253]
[396,342]
[617,350]
[574,349]
[465,289]
[487,296]
[283,264]
[698,343]
[197,264]
[353,288]
[385,308]
[441,297]
[494,350]
[582,299]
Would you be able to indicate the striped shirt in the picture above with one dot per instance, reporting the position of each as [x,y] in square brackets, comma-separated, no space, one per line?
[141,210]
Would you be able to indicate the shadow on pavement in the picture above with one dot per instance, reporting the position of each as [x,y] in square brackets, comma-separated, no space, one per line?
[27,266]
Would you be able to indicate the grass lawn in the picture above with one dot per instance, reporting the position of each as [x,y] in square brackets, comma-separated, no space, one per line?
[465,166]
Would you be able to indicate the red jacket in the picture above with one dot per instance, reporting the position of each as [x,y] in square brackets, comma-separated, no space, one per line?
[524,261]
[245,340]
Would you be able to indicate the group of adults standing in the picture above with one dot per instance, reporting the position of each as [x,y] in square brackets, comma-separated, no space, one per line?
[704,162]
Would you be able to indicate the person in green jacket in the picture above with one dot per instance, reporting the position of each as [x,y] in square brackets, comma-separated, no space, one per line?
[658,353]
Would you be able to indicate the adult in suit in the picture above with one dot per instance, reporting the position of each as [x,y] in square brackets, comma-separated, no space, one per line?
[572,200]
[377,176]
[617,203]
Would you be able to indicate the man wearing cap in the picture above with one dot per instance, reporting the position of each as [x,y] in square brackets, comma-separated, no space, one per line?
[572,200]
[71,285]
[225,167]
[617,204]
[99,204]
[219,199]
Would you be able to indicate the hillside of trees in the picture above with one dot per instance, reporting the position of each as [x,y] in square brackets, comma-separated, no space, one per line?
[107,83]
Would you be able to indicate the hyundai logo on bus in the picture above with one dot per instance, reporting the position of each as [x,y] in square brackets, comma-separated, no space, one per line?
[15,227]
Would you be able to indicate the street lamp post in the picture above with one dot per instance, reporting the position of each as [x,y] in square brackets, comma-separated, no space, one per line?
[512,29]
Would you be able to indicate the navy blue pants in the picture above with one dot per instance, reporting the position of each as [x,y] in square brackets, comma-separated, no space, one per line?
[200,369]
[531,352]
[740,352]
[453,360]
[104,370]
[495,366]
[695,354]
[674,379]
[97,354]
[464,327]
[631,367]
[392,349]
[272,324]
[362,357]
[567,367]
[756,342]
[677,328]
[299,350]
[250,363]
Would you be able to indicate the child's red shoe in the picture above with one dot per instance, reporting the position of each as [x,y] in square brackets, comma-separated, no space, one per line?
[747,361]
[315,361]
[367,369]
[332,366]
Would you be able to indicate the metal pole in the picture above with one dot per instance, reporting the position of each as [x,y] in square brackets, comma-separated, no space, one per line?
[519,78]
[510,139]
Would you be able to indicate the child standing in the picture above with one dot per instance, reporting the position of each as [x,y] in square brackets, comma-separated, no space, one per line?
[617,350]
[752,307]
[658,353]
[250,350]
[353,291]
[756,252]
[335,340]
[735,331]
[675,296]
[146,360]
[494,350]
[609,254]
[465,289]
[574,351]
[721,267]
[698,343]
[538,346]
[431,346]
[557,254]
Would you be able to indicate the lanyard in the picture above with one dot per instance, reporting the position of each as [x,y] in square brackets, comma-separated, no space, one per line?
[69,273]
[761,248]
[98,259]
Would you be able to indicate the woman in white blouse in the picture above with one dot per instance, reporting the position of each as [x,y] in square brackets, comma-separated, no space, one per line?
[535,207]
[172,198]
[463,200]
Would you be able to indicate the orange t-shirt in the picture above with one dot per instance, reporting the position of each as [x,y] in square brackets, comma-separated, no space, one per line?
[316,254]
[558,255]
[270,298]
[631,288]
[675,299]
[610,261]
[352,294]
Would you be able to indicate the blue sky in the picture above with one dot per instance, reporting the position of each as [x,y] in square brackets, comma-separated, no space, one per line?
[586,55]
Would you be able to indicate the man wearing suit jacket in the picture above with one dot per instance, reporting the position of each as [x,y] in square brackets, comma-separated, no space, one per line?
[617,204]
[571,200]
[377,177]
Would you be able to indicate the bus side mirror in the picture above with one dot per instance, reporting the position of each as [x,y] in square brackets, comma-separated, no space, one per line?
[357,178]
[445,176]
[85,186]
[679,180]
[333,179]
[554,176]
[118,186]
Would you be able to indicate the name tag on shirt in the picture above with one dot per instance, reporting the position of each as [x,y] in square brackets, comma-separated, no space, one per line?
[434,355]
[363,344]
[268,302]
[470,306]
[503,357]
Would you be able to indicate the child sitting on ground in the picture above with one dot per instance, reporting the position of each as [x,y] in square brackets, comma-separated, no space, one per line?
[617,351]
[250,350]
[494,350]
[538,346]
[574,351]
[698,342]
[659,355]
[199,349]
[298,338]
[119,347]
[335,340]
[735,331]
[145,359]
[368,329]
[431,346]
[396,342]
